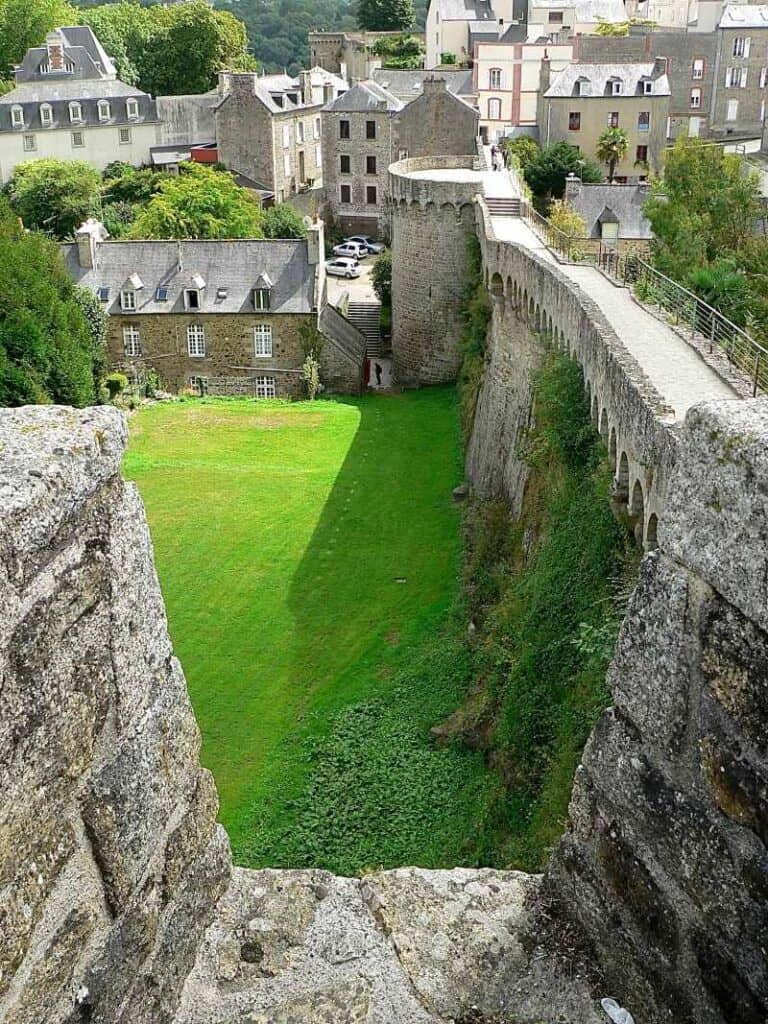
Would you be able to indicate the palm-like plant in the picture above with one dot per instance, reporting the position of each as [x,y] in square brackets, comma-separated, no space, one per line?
[612,147]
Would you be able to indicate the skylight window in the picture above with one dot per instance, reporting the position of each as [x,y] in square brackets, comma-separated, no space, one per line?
[102,294]
[222,293]
[161,295]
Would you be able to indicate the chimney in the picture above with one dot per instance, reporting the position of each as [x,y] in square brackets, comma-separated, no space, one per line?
[545,75]
[434,85]
[305,79]
[328,96]
[315,241]
[54,43]
[572,187]
[88,237]
[659,66]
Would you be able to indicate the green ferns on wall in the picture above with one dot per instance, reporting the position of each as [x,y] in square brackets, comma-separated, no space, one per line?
[476,310]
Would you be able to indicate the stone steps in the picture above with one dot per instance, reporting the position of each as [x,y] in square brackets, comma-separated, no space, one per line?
[366,318]
[503,206]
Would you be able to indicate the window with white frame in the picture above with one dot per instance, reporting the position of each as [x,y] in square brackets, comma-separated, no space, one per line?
[286,136]
[736,78]
[191,298]
[741,46]
[763,77]
[128,300]
[104,111]
[617,86]
[494,78]
[196,340]
[732,111]
[316,128]
[262,341]
[17,117]
[125,136]
[695,99]
[265,387]
[494,109]
[46,114]
[75,112]
[697,68]
[30,143]
[644,121]
[131,109]
[131,341]
[78,141]
[299,131]
[762,111]
[261,298]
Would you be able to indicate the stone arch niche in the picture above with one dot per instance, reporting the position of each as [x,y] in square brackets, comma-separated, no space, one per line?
[604,426]
[612,449]
[651,533]
[637,511]
[622,479]
[496,286]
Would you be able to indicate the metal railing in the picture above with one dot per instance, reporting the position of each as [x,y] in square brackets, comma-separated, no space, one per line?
[680,307]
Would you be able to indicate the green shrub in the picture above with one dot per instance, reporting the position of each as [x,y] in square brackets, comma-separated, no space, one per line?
[115,383]
[476,311]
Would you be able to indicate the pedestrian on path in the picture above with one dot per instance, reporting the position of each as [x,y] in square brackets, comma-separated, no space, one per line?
[378,371]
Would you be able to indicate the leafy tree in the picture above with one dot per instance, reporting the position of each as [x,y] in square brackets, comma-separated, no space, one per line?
[54,196]
[385,15]
[126,184]
[200,203]
[49,348]
[547,172]
[381,279]
[723,285]
[566,219]
[171,50]
[524,148]
[25,23]
[283,221]
[612,146]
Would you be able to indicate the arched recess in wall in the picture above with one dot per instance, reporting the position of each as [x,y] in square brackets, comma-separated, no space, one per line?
[622,479]
[595,412]
[604,426]
[496,286]
[651,534]
[509,291]
[612,449]
[637,511]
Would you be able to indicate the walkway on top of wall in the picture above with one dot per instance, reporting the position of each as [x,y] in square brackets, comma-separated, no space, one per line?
[678,372]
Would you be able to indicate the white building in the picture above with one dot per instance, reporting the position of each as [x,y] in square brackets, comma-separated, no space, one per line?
[453,25]
[69,104]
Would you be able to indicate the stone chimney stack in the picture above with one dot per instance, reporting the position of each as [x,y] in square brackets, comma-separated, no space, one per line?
[54,43]
[305,79]
[433,85]
[315,242]
[328,96]
[660,66]
[88,237]
[572,187]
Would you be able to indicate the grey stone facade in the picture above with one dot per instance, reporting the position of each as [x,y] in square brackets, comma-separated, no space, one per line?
[739,109]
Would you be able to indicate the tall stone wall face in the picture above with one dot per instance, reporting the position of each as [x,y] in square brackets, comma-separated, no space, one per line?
[665,862]
[111,861]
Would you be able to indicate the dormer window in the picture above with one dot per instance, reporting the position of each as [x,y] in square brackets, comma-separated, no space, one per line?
[581,87]
[104,111]
[646,86]
[46,114]
[132,109]
[615,86]
[128,300]
[192,298]
[75,112]
[262,292]
[17,117]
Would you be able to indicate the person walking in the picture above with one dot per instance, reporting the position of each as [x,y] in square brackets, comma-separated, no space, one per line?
[378,371]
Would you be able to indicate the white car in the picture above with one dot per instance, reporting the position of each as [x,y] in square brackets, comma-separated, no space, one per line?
[351,249]
[342,266]
[374,248]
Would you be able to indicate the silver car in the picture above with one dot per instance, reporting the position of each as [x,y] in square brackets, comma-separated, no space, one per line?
[370,244]
[351,249]
[342,266]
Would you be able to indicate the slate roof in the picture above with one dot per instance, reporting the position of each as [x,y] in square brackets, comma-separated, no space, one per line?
[81,48]
[625,202]
[587,10]
[466,10]
[365,96]
[58,93]
[232,264]
[598,77]
[281,92]
[745,16]
[407,85]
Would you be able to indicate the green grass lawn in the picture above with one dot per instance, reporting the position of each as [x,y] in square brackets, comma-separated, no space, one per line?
[308,554]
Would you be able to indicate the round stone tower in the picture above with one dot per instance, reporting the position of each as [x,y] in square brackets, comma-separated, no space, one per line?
[433,218]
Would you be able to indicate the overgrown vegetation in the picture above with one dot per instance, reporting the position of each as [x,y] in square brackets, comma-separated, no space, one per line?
[404,51]
[545,172]
[51,337]
[476,311]
[546,594]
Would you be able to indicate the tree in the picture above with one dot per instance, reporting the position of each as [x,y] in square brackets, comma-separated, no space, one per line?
[385,15]
[200,203]
[381,279]
[565,218]
[49,349]
[547,172]
[283,221]
[25,23]
[523,148]
[611,148]
[171,50]
[54,196]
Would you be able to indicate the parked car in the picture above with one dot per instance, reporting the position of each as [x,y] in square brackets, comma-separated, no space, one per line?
[374,248]
[351,249]
[342,266]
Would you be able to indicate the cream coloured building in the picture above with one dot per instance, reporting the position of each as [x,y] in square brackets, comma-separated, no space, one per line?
[69,104]
[506,80]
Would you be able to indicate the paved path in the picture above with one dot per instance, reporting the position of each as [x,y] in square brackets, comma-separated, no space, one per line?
[677,371]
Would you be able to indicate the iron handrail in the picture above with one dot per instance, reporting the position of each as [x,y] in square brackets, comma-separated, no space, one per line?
[681,307]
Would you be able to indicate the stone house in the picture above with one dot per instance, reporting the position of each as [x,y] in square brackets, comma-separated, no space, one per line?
[612,213]
[68,104]
[579,103]
[268,128]
[217,317]
[740,72]
[368,128]
[452,25]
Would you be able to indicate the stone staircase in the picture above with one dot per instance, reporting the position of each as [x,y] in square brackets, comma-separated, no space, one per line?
[365,317]
[503,206]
